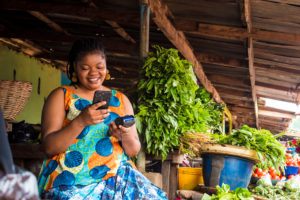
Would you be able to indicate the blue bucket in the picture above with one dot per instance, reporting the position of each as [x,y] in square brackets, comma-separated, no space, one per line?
[232,170]
[291,170]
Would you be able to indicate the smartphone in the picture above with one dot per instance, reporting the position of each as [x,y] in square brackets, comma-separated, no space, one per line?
[100,95]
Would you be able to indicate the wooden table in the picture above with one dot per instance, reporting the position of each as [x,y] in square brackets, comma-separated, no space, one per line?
[28,156]
[169,172]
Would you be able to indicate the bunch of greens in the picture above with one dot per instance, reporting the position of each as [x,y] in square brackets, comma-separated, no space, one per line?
[290,190]
[215,110]
[268,149]
[167,104]
[224,193]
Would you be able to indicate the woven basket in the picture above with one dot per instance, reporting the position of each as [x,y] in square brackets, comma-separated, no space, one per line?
[13,97]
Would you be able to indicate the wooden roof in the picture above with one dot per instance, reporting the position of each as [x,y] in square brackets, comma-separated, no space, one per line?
[242,49]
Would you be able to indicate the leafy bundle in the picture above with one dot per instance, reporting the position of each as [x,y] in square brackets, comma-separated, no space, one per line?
[167,104]
[269,150]
[224,193]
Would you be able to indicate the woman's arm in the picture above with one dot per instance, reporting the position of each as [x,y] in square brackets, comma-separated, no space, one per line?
[129,137]
[56,138]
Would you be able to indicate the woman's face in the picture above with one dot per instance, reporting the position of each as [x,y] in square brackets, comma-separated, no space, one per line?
[91,70]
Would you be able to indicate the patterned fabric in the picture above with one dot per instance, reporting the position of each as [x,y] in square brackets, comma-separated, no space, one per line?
[127,184]
[93,157]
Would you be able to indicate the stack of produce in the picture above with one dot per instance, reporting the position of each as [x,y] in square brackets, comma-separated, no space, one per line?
[224,193]
[270,152]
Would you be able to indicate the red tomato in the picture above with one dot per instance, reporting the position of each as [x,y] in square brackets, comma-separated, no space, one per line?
[290,176]
[254,175]
[271,169]
[258,170]
[288,156]
[273,173]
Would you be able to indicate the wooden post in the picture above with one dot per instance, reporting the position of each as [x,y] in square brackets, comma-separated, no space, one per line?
[144,49]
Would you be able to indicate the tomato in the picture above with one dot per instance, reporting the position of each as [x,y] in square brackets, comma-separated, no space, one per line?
[271,169]
[273,173]
[258,171]
[288,156]
[254,175]
[290,176]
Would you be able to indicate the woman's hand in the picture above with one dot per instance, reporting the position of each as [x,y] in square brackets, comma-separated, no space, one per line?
[90,115]
[118,132]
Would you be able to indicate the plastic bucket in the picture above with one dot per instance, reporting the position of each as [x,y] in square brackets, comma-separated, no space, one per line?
[189,177]
[232,170]
[291,170]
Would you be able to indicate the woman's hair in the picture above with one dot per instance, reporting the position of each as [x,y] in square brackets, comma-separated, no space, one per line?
[81,48]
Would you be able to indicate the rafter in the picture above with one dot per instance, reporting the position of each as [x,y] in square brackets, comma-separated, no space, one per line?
[117,28]
[49,22]
[159,16]
[74,9]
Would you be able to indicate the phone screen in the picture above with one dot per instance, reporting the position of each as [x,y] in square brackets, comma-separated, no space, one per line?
[102,96]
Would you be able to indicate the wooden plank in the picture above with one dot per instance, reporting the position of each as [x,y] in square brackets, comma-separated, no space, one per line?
[229,80]
[276,110]
[173,185]
[290,2]
[278,70]
[276,114]
[278,76]
[264,54]
[232,87]
[247,13]
[49,22]
[178,39]
[276,94]
[165,172]
[278,87]
[221,60]
[120,16]
[234,33]
[274,63]
[277,11]
[226,70]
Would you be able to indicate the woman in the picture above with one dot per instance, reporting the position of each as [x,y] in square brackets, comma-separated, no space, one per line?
[88,155]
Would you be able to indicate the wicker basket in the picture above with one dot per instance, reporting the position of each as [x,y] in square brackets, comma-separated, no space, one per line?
[13,97]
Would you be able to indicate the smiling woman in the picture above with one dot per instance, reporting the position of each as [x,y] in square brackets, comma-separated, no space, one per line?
[88,155]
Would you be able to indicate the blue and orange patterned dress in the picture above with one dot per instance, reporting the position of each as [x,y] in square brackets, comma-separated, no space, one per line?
[95,165]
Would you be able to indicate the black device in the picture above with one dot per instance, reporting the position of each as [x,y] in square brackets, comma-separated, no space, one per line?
[126,121]
[100,95]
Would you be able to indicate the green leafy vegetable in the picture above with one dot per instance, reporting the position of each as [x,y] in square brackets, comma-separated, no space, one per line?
[167,105]
[224,193]
[269,150]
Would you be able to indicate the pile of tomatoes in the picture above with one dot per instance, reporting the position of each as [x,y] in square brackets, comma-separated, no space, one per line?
[258,172]
[290,161]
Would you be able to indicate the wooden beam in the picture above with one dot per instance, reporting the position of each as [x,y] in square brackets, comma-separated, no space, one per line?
[73,9]
[276,114]
[49,22]
[234,33]
[117,28]
[178,39]
[229,80]
[247,13]
[221,60]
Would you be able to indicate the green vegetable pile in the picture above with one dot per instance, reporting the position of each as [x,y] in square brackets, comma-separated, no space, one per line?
[215,110]
[224,193]
[269,150]
[290,190]
[167,104]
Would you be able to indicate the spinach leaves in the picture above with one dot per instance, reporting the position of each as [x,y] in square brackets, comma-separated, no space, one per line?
[167,105]
[269,150]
